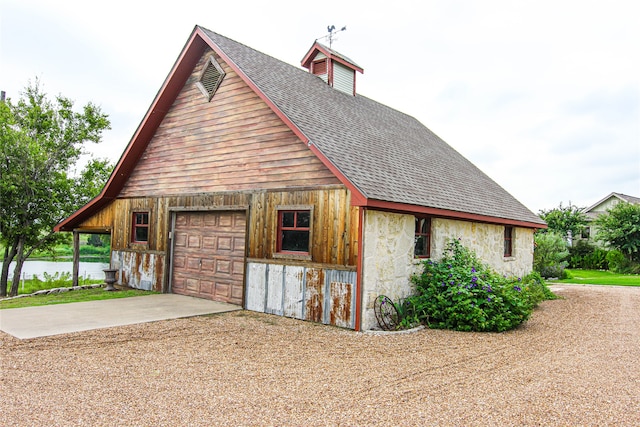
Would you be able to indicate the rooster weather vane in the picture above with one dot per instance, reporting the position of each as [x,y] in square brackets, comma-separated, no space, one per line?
[331,29]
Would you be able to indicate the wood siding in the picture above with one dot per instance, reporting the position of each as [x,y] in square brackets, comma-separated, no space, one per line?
[234,142]
[103,220]
[334,222]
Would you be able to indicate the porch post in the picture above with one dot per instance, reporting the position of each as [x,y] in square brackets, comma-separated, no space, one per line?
[76,256]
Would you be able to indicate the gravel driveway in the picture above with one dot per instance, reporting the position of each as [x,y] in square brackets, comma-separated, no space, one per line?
[574,363]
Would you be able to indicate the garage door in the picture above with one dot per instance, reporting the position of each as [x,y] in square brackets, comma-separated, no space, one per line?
[208,255]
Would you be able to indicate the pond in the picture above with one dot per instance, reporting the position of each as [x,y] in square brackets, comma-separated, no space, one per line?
[88,270]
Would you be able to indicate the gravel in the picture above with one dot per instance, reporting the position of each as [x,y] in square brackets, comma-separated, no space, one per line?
[575,362]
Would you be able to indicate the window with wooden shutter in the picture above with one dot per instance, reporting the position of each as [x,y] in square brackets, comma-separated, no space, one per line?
[320,67]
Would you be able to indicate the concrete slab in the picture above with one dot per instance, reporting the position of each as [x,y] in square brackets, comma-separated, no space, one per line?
[34,322]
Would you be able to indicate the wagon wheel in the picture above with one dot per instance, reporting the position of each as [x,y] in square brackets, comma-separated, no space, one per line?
[386,313]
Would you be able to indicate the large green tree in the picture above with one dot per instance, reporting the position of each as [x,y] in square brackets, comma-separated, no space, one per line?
[41,141]
[565,220]
[619,229]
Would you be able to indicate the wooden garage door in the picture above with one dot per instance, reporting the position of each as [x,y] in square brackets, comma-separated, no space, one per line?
[208,255]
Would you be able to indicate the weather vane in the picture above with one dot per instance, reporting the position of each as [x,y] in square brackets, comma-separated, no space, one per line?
[332,33]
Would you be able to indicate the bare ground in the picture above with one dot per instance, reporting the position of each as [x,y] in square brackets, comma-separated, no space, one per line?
[575,362]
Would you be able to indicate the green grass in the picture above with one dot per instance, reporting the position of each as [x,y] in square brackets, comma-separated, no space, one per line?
[57,280]
[71,296]
[600,277]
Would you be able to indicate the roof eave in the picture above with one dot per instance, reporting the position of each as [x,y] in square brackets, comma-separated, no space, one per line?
[451,214]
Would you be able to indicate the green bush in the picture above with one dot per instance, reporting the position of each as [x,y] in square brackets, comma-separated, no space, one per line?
[584,255]
[618,263]
[460,292]
[550,254]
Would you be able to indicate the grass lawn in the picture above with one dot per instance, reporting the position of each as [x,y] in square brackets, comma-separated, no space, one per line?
[71,296]
[600,277]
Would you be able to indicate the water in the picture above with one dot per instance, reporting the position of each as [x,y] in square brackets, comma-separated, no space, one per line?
[88,270]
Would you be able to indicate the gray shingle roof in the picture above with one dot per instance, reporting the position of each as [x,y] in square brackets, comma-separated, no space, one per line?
[387,155]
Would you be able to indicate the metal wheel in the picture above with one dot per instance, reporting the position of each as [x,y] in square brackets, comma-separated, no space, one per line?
[386,313]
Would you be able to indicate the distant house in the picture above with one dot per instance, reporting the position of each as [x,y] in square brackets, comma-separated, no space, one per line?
[283,190]
[601,207]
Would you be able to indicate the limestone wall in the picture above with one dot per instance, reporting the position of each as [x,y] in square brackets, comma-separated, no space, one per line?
[387,260]
[487,241]
[388,245]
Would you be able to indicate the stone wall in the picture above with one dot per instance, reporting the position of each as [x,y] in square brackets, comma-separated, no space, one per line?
[388,261]
[388,245]
[487,241]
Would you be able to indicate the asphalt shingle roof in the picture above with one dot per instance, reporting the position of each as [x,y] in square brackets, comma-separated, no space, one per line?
[387,155]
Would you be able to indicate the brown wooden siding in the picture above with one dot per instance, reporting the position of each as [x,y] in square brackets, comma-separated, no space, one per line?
[102,220]
[235,142]
[334,222]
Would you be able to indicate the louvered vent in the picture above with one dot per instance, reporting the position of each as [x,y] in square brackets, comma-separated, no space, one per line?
[210,78]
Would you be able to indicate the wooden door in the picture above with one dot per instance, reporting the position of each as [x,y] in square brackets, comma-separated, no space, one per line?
[208,255]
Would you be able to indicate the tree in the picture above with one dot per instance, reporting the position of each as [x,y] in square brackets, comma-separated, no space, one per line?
[40,143]
[565,219]
[619,229]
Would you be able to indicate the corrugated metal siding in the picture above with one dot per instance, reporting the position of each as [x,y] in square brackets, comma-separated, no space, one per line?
[343,78]
[140,270]
[309,293]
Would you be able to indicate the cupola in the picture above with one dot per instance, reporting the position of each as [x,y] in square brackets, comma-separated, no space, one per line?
[335,69]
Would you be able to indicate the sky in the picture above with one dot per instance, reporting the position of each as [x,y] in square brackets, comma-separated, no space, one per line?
[543,96]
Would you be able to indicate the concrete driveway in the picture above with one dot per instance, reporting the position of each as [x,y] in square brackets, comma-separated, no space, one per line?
[34,322]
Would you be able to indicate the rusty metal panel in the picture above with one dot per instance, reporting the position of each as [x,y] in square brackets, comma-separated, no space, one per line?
[140,270]
[340,298]
[274,289]
[256,284]
[340,304]
[294,291]
[314,295]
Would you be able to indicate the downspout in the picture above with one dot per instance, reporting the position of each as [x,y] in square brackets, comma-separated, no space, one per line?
[359,293]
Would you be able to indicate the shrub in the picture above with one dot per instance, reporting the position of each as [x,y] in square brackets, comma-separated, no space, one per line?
[618,262]
[460,292]
[549,255]
[587,256]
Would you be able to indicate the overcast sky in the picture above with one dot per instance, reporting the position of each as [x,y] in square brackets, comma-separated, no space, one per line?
[543,96]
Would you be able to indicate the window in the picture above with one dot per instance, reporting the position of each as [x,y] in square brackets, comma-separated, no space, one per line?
[210,78]
[586,233]
[319,67]
[293,231]
[140,227]
[422,247]
[508,241]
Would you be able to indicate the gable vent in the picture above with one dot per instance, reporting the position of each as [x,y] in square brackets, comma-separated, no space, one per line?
[210,78]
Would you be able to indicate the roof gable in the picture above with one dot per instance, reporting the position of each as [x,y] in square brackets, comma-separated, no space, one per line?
[386,158]
[231,142]
[605,203]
